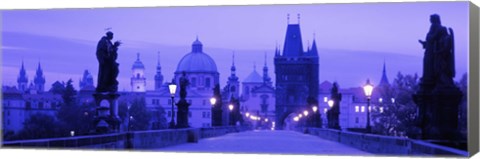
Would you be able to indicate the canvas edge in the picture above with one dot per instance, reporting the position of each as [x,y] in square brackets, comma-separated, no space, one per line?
[473,81]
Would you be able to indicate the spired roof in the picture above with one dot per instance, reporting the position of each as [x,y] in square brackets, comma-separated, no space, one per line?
[138,64]
[293,41]
[197,61]
[384,80]
[254,77]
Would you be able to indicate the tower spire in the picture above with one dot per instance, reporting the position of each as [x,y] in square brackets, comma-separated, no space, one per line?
[158,75]
[384,80]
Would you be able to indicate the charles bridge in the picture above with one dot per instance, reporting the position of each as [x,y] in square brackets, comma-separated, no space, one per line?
[157,140]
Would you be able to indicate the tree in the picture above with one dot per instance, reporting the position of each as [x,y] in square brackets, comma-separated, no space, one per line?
[140,115]
[72,116]
[38,126]
[400,116]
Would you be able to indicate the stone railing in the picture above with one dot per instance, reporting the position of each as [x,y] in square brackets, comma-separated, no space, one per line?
[386,145]
[104,141]
[128,140]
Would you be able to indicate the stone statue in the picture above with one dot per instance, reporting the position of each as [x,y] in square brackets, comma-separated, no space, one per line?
[108,67]
[183,86]
[439,61]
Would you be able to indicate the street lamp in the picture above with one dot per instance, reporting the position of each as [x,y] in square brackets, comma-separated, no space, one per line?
[213,100]
[330,103]
[305,113]
[172,88]
[314,108]
[368,88]
[232,121]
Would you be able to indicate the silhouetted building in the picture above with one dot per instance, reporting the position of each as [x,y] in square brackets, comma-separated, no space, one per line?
[296,74]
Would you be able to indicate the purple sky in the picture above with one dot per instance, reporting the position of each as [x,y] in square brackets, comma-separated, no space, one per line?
[354,39]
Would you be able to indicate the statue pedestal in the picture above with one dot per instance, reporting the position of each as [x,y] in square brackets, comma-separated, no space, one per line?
[438,112]
[106,116]
[182,113]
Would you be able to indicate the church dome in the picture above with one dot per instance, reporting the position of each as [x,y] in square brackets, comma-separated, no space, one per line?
[197,60]
[138,64]
[254,77]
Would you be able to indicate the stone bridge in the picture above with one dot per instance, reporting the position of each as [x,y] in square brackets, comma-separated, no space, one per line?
[315,141]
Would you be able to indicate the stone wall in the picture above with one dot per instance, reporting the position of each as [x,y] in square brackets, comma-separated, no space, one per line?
[386,145]
[107,141]
[138,140]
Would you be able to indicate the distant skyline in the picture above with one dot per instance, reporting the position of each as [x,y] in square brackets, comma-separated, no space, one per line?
[357,37]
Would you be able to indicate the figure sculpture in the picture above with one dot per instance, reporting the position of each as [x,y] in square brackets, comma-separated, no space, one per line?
[439,61]
[108,67]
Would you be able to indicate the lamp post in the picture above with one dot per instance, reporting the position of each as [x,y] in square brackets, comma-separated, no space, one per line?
[232,121]
[330,114]
[315,116]
[172,88]
[368,88]
[213,101]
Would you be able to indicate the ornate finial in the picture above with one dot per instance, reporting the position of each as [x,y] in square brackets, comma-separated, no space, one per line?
[138,56]
[197,38]
[298,18]
[108,29]
[288,18]
[254,66]
[233,58]
[314,36]
[265,59]
[158,57]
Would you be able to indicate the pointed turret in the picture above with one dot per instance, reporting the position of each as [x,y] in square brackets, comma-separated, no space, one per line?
[266,78]
[22,79]
[313,50]
[384,80]
[158,75]
[39,79]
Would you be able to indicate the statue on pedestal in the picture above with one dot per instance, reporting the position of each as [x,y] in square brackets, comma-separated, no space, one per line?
[106,95]
[438,98]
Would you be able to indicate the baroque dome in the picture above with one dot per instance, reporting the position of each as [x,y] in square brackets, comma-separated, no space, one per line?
[197,60]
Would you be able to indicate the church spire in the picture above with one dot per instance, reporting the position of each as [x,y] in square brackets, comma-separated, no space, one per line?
[384,80]
[233,63]
[39,79]
[158,75]
[22,79]
[266,78]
